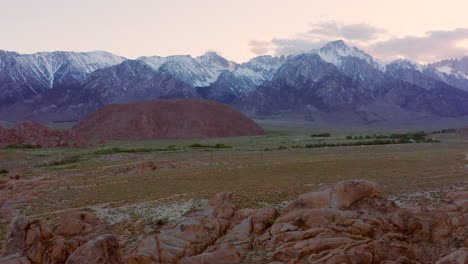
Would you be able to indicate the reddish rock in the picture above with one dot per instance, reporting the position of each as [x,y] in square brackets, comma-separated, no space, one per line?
[319,199]
[103,249]
[32,133]
[458,257]
[15,242]
[222,256]
[167,119]
[359,227]
[146,166]
[76,223]
[188,237]
[460,200]
[33,242]
[345,193]
[15,260]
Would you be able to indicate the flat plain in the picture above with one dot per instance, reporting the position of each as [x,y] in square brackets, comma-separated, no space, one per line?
[138,184]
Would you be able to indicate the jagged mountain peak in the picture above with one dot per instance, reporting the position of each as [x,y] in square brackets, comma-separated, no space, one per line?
[265,65]
[8,53]
[336,52]
[337,44]
[218,63]
[406,64]
[210,55]
[455,65]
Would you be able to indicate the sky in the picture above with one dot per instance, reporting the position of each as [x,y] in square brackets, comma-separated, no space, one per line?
[421,30]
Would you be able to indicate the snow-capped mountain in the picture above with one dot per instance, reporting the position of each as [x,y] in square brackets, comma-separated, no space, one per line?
[199,72]
[134,80]
[337,82]
[414,73]
[405,64]
[352,62]
[23,76]
[130,81]
[453,66]
[304,80]
[214,62]
[231,85]
[337,52]
[427,76]
[341,79]
[265,65]
[453,72]
[243,80]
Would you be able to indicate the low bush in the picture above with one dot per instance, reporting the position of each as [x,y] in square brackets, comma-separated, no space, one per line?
[116,150]
[67,160]
[321,135]
[417,136]
[217,146]
[22,146]
[370,142]
[444,131]
[4,171]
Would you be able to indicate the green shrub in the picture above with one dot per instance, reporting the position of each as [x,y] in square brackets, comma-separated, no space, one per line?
[68,160]
[22,146]
[161,222]
[444,131]
[321,135]
[116,150]
[197,145]
[222,146]
[218,146]
[370,142]
[4,171]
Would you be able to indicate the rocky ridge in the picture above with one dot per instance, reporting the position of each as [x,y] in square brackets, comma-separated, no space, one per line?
[37,135]
[350,222]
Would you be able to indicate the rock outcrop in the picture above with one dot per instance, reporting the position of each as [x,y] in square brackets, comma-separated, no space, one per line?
[33,242]
[103,249]
[35,134]
[349,222]
[166,118]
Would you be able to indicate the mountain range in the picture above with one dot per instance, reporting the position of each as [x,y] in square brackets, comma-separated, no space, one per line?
[334,83]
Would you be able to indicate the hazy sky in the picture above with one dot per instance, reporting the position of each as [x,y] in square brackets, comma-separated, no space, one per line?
[424,30]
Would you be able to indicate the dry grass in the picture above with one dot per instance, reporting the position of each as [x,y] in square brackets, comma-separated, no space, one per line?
[257,178]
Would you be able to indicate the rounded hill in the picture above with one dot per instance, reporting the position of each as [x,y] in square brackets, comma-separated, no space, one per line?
[166,119]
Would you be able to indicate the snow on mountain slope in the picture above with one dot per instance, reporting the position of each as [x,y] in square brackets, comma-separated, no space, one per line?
[255,78]
[454,65]
[265,65]
[24,76]
[54,67]
[407,64]
[216,63]
[336,51]
[333,77]
[352,62]
[154,61]
[199,72]
[5,57]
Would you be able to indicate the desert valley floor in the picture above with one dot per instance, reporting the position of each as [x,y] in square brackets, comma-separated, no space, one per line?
[137,187]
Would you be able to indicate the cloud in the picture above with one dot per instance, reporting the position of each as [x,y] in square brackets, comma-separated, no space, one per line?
[433,46]
[291,46]
[316,37]
[259,47]
[360,31]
